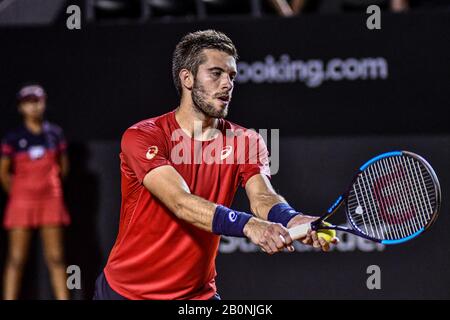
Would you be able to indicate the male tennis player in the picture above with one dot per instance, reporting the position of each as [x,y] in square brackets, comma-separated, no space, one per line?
[180,172]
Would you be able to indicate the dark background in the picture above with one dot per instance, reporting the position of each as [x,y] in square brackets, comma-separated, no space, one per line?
[102,79]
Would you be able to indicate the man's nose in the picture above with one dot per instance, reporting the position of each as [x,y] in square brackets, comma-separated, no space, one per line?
[227,83]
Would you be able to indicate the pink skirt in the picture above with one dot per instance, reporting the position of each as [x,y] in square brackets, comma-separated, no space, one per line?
[36,213]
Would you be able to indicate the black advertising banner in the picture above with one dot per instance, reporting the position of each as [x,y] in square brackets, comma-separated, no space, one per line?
[309,75]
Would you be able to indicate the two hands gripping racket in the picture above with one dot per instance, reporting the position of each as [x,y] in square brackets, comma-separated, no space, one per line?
[393,198]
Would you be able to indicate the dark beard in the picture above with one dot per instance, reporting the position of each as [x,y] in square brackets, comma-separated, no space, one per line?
[198,98]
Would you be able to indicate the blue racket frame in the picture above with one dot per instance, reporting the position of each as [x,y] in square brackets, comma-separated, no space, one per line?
[316,225]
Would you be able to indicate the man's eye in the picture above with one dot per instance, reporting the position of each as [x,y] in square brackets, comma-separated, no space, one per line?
[216,73]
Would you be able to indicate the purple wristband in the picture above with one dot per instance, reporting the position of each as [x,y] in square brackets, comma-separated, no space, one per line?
[282,213]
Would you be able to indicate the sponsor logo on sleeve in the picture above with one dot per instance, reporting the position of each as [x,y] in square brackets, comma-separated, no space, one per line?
[151,152]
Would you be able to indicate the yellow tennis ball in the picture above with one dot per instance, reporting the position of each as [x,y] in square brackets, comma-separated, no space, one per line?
[326,234]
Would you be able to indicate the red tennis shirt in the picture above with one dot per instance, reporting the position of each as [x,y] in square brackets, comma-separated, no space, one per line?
[156,255]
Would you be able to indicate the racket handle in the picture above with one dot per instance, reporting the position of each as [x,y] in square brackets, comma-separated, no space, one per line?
[299,231]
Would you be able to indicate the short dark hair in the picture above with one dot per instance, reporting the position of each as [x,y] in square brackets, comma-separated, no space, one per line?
[188,52]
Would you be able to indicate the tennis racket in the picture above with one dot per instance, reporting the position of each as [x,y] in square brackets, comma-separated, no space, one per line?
[393,198]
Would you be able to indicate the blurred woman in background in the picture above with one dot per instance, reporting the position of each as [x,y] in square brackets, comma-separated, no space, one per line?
[33,162]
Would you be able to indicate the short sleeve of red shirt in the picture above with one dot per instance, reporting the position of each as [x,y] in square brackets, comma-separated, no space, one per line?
[144,149]
[7,148]
[256,158]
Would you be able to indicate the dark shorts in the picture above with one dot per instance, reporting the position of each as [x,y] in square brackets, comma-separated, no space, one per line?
[104,292]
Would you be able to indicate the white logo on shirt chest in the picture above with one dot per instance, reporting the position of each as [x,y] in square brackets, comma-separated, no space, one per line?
[36,152]
[151,152]
[226,151]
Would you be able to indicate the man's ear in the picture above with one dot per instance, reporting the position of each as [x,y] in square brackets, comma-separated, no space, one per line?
[186,78]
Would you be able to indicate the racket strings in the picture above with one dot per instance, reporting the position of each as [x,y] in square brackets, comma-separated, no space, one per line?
[399,209]
[389,224]
[393,198]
